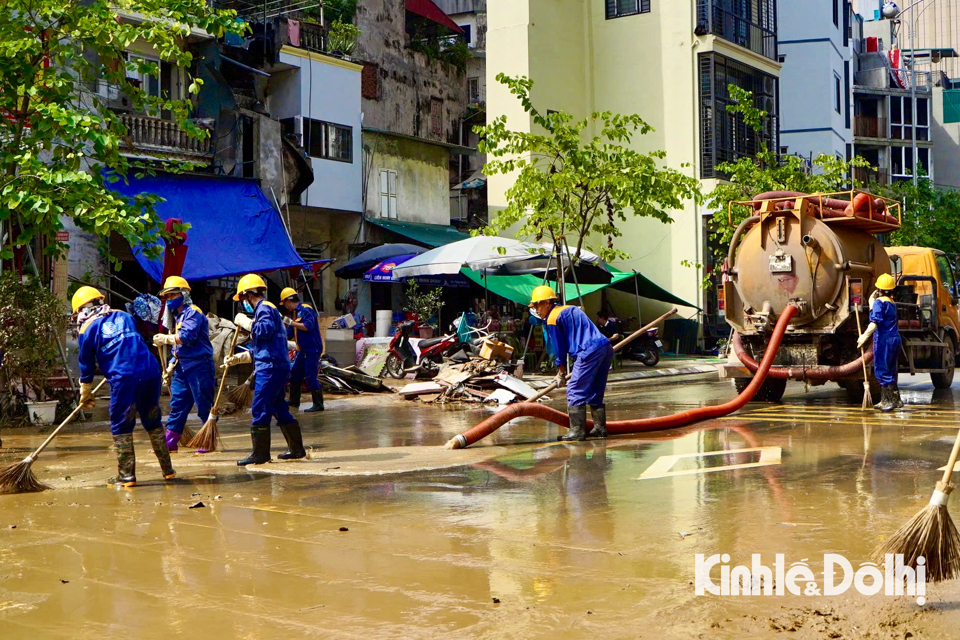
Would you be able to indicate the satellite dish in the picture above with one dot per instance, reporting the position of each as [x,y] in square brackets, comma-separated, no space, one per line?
[890,10]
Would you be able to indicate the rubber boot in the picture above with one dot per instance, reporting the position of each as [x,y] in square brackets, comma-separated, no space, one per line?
[578,424]
[883,398]
[261,447]
[317,397]
[895,396]
[173,441]
[126,461]
[886,402]
[159,442]
[291,432]
[295,393]
[599,415]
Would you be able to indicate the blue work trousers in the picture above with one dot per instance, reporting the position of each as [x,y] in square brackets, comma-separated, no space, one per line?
[306,366]
[128,398]
[886,352]
[588,380]
[269,398]
[191,385]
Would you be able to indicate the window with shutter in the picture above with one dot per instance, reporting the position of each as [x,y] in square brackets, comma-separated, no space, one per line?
[621,8]
[388,194]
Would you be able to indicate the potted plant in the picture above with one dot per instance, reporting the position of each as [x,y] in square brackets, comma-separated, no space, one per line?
[342,39]
[32,321]
[425,304]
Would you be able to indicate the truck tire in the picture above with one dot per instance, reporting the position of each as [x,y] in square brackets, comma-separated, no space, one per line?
[771,390]
[854,390]
[945,379]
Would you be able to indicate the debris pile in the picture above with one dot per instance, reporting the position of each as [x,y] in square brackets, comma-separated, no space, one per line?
[473,381]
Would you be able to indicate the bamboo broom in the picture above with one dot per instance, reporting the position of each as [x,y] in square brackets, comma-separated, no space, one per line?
[208,439]
[188,433]
[867,398]
[240,397]
[19,478]
[930,534]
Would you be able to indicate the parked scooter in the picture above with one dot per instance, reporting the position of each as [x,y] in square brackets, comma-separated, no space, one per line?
[647,348]
[424,357]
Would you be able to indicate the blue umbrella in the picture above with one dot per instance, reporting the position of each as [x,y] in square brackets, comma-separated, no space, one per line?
[359,265]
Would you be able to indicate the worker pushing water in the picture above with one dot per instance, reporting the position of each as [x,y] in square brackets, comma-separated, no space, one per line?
[109,339]
[886,342]
[268,352]
[194,376]
[571,332]
[304,328]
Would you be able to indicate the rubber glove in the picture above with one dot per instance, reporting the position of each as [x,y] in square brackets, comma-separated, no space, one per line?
[238,358]
[87,401]
[561,378]
[244,322]
[287,321]
[292,346]
[862,340]
[164,338]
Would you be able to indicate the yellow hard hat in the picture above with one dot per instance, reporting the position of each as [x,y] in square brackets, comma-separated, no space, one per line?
[289,292]
[886,282]
[174,282]
[249,281]
[83,296]
[541,293]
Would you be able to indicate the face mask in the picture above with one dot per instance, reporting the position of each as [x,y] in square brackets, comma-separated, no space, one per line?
[175,303]
[533,312]
[247,306]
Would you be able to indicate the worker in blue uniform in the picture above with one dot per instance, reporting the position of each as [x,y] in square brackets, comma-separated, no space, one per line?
[303,326]
[572,333]
[108,339]
[194,377]
[886,342]
[268,352]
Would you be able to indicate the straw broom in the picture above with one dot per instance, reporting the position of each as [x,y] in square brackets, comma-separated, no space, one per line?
[867,398]
[188,433]
[19,478]
[208,439]
[240,397]
[930,534]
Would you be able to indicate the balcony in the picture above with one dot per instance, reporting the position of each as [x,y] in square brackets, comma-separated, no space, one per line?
[869,127]
[753,27]
[165,137]
[868,175]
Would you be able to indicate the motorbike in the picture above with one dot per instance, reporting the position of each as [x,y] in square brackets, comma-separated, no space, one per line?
[646,348]
[424,357]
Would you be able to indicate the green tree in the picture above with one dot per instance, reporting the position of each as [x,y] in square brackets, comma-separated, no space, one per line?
[931,216]
[572,184]
[60,139]
[767,171]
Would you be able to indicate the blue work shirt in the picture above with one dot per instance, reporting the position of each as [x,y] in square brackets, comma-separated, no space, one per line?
[113,342]
[884,315]
[193,329]
[572,332]
[269,338]
[308,340]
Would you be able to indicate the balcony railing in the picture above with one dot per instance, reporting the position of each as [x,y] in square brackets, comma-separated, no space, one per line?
[756,31]
[311,37]
[162,136]
[867,176]
[869,127]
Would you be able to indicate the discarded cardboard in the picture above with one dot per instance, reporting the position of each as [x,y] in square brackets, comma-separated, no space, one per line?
[502,396]
[421,388]
[516,385]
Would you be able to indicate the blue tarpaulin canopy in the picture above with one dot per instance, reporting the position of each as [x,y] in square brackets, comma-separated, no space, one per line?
[233,230]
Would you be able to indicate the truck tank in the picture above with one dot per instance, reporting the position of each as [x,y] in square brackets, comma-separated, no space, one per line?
[819,253]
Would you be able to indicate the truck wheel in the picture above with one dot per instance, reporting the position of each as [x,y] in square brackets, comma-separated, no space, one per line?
[945,379]
[771,390]
[854,390]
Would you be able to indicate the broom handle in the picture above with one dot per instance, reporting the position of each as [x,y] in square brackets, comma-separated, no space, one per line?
[863,357]
[948,472]
[73,414]
[216,403]
[616,347]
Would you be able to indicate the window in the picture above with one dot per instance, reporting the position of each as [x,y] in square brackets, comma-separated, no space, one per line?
[836,93]
[836,13]
[846,94]
[901,162]
[621,8]
[150,84]
[752,24]
[388,194]
[328,141]
[901,118]
[724,136]
[473,89]
[436,116]
[467,35]
[946,274]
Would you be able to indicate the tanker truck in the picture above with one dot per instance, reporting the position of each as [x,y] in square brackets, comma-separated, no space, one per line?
[820,252]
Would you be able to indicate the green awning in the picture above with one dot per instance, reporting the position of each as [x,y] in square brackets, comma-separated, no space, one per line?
[519,288]
[434,235]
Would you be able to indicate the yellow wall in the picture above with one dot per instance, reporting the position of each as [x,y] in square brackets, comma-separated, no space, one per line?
[645,64]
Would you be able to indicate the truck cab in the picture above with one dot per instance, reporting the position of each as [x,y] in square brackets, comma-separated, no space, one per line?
[928,307]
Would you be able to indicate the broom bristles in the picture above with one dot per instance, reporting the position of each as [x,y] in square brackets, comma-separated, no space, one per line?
[19,478]
[208,439]
[867,398]
[240,396]
[186,436]
[932,535]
